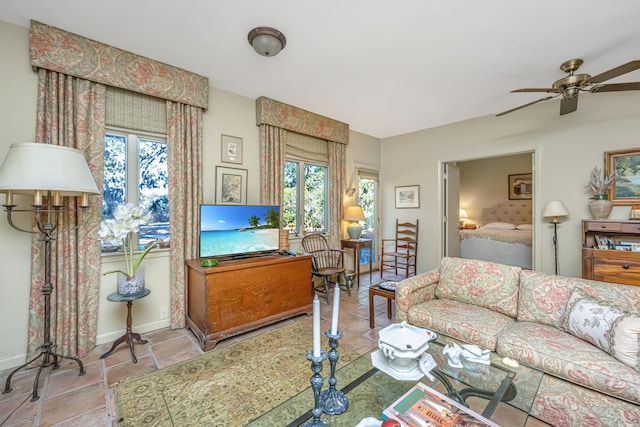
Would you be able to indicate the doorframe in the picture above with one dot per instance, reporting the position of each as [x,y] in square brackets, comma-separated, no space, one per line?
[376,243]
[536,215]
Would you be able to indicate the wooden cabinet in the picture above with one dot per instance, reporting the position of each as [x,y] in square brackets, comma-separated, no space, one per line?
[240,295]
[610,265]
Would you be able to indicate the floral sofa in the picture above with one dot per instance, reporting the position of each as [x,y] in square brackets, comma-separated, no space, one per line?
[583,334]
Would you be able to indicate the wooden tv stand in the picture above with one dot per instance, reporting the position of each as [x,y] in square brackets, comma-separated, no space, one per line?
[240,295]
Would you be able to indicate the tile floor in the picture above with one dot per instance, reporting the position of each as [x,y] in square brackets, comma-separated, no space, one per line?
[67,399]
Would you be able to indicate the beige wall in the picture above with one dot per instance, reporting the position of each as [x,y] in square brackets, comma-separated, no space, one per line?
[566,150]
[484,182]
[228,114]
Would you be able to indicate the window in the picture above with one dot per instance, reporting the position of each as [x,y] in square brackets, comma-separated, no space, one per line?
[135,170]
[305,202]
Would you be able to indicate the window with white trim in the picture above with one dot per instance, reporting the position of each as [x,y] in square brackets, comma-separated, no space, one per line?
[135,171]
[305,197]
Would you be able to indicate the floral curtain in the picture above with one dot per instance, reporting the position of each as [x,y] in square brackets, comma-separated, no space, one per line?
[184,142]
[337,172]
[70,112]
[272,153]
[275,119]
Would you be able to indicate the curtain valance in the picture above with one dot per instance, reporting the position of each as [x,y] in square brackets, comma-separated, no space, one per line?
[295,119]
[58,50]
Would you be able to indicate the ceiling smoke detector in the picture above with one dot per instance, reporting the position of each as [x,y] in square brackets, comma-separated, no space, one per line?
[267,41]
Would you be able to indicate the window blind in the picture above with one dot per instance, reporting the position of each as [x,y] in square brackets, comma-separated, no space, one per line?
[307,147]
[136,111]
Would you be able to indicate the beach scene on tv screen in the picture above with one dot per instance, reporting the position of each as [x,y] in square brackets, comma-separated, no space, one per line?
[230,229]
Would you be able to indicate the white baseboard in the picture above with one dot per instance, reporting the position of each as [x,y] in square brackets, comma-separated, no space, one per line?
[13,361]
[141,329]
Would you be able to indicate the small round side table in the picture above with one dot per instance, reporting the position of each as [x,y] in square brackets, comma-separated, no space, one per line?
[129,335]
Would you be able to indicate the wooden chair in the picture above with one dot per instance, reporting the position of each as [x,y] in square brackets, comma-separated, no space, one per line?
[401,252]
[327,263]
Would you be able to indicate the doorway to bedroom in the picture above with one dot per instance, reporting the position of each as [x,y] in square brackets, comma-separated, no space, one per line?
[488,205]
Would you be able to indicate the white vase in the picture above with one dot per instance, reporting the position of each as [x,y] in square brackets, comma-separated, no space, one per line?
[131,285]
[600,209]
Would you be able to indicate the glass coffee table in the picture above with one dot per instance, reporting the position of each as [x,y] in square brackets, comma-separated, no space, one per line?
[501,393]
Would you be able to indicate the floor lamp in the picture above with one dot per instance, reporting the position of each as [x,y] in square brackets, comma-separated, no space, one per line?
[47,173]
[553,210]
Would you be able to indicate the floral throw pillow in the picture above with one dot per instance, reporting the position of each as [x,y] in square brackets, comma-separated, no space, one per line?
[591,321]
[608,328]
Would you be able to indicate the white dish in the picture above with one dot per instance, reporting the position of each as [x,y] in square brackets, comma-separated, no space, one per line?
[380,361]
[406,337]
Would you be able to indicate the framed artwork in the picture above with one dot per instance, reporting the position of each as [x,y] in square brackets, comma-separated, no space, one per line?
[626,185]
[408,196]
[231,186]
[231,149]
[520,186]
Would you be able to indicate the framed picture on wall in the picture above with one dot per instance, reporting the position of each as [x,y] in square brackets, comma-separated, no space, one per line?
[408,196]
[520,186]
[231,186]
[231,149]
[625,189]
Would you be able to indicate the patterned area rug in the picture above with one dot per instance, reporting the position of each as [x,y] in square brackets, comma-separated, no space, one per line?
[227,387]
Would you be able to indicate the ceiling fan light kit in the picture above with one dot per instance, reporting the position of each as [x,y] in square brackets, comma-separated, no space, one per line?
[570,86]
[267,41]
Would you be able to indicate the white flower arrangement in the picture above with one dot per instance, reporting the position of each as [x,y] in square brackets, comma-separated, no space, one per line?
[127,221]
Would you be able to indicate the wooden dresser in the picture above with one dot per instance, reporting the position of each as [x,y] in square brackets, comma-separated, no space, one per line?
[240,295]
[609,265]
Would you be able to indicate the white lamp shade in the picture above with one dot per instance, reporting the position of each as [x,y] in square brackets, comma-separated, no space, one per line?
[463,214]
[30,167]
[354,213]
[554,209]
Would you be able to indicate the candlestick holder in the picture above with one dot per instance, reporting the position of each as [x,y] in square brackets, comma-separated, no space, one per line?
[334,402]
[316,385]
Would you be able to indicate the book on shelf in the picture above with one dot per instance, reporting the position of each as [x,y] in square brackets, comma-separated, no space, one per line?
[422,405]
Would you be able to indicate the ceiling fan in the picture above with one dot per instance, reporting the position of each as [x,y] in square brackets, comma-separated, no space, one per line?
[570,86]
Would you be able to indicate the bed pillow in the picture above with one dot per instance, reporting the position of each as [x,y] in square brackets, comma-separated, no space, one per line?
[499,226]
[612,330]
[526,227]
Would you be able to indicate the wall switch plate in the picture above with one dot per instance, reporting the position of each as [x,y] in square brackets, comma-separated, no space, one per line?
[164,313]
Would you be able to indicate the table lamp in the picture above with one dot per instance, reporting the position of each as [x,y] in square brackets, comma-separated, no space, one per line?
[553,210]
[354,214]
[462,215]
[47,173]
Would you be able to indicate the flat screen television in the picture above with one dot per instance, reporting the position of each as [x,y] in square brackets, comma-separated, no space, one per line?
[237,231]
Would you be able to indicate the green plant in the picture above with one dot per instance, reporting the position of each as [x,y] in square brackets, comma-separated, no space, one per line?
[599,183]
[126,223]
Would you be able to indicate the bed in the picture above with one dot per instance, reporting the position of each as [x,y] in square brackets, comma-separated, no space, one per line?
[505,235]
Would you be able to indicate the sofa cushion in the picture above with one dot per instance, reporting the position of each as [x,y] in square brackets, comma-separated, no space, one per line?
[465,322]
[563,404]
[608,328]
[485,284]
[543,297]
[566,356]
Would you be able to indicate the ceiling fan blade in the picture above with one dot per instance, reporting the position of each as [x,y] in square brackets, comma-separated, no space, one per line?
[615,72]
[568,105]
[548,89]
[525,105]
[615,87]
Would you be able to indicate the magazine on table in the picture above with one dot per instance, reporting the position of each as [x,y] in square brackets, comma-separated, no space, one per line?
[424,406]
